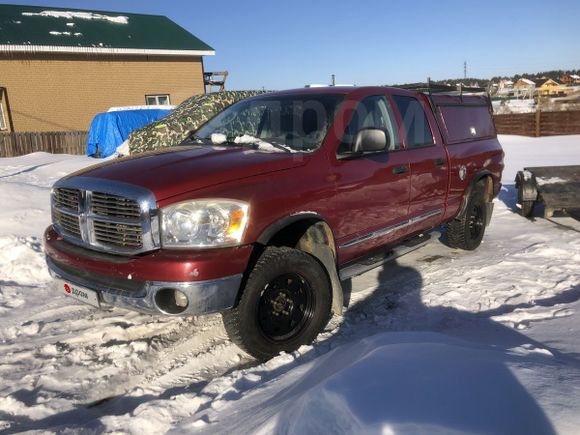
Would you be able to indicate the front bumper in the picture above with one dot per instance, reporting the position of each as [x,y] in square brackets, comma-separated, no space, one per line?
[135,283]
[203,297]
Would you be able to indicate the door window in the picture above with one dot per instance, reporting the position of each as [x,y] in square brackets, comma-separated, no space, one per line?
[415,122]
[372,112]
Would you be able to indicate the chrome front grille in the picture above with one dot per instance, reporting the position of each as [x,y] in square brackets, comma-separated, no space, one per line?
[67,198]
[105,215]
[67,222]
[118,234]
[104,204]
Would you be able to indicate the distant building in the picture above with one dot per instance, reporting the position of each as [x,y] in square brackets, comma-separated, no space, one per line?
[524,88]
[59,67]
[570,79]
[524,83]
[506,84]
[505,88]
[546,87]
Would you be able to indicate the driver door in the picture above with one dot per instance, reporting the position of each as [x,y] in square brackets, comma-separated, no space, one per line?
[372,192]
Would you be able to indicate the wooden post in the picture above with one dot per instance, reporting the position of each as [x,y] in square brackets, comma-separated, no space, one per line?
[538,122]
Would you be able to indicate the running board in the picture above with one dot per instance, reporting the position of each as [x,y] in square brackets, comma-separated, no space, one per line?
[379,258]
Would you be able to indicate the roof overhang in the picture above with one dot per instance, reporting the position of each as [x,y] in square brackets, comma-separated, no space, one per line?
[13,48]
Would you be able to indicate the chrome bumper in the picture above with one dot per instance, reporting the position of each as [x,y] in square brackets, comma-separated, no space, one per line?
[203,297]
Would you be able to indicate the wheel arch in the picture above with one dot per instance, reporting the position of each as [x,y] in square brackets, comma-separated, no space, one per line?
[308,232]
[479,176]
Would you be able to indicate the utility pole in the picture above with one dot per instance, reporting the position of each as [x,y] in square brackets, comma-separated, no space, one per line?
[464,70]
[333,81]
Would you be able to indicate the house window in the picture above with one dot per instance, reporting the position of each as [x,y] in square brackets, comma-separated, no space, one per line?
[2,118]
[157,100]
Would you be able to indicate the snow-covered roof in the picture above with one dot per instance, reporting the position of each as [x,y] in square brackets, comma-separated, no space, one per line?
[526,81]
[40,29]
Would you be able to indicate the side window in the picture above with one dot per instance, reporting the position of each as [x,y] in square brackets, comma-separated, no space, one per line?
[157,100]
[372,112]
[415,122]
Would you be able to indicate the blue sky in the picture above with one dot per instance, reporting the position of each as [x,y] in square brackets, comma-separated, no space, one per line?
[284,44]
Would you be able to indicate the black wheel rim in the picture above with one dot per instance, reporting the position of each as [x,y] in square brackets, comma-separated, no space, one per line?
[285,307]
[476,222]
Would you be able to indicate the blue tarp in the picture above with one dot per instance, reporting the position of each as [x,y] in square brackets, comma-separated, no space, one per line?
[110,129]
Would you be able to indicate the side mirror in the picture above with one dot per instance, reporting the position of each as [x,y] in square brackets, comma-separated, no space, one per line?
[369,140]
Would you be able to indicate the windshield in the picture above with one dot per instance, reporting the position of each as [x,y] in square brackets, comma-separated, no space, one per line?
[288,123]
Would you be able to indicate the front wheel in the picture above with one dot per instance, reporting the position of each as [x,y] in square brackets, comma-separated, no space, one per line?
[467,230]
[285,303]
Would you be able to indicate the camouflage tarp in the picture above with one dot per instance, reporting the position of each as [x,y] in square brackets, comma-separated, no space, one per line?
[187,117]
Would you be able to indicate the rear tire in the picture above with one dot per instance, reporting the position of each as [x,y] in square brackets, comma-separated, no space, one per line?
[467,230]
[285,303]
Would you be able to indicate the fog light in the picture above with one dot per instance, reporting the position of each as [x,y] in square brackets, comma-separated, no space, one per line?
[171,301]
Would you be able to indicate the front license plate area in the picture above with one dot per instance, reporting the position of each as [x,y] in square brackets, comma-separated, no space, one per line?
[78,292]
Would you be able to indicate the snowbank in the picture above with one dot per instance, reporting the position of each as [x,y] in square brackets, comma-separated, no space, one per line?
[404,383]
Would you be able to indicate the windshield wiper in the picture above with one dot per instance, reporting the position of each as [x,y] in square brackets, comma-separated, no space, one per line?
[241,141]
[259,143]
[198,140]
[280,146]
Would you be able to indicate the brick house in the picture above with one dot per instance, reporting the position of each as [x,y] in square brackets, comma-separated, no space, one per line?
[59,67]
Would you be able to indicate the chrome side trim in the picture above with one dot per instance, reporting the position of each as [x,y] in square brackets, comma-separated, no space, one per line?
[204,297]
[148,219]
[391,229]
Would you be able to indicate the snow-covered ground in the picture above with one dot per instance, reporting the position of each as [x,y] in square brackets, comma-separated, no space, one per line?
[440,341]
[513,106]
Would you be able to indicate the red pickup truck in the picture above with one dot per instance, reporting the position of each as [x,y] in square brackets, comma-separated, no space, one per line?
[269,206]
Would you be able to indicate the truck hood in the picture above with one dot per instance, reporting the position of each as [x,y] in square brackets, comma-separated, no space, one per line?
[178,170]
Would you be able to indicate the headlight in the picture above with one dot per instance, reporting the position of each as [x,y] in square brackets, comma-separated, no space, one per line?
[203,223]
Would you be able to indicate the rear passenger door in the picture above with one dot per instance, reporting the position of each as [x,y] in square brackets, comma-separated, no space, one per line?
[428,161]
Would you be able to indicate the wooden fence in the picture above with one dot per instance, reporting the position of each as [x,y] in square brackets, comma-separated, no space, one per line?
[539,123]
[56,142]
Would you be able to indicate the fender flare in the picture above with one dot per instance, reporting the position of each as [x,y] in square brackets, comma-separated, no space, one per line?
[274,228]
[318,241]
[474,180]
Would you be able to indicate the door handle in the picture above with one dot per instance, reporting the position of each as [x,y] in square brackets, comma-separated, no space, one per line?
[439,162]
[400,169]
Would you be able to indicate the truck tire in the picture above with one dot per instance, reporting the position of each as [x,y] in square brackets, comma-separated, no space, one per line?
[467,230]
[527,206]
[285,303]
